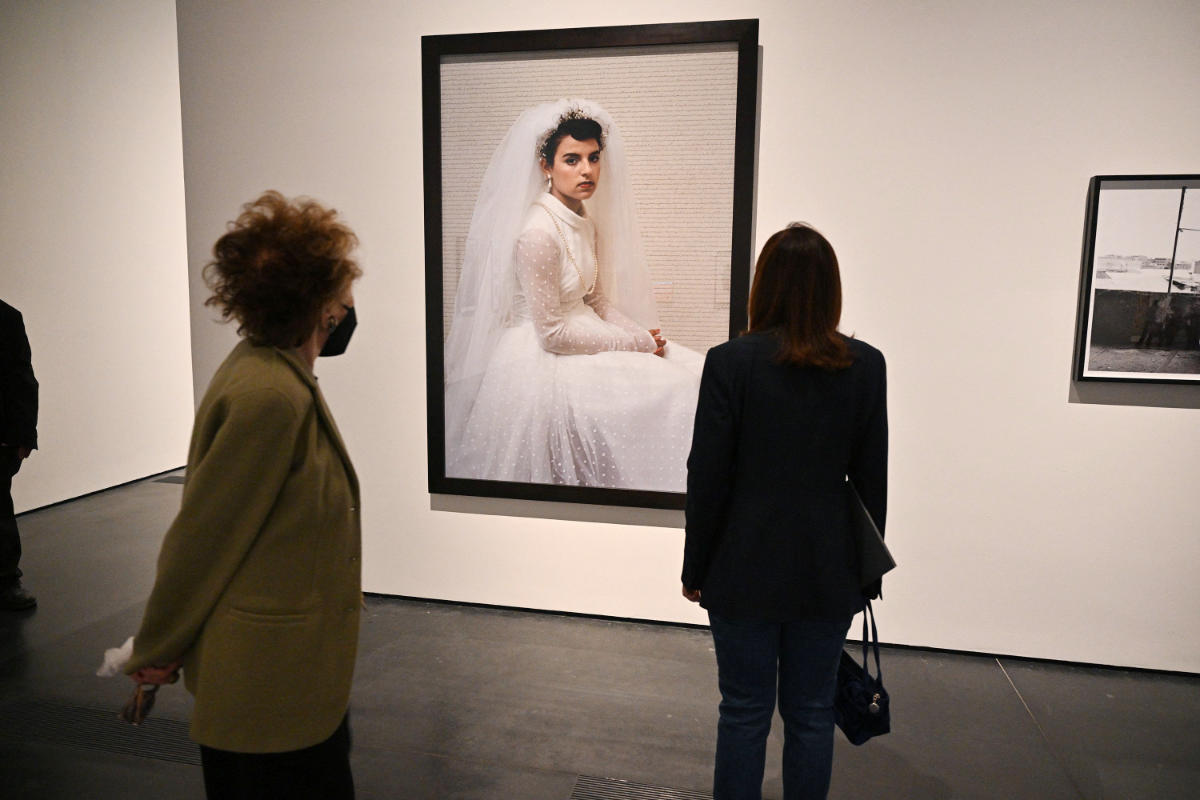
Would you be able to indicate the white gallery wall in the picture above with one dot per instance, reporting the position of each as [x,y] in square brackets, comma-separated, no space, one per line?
[93,229]
[944,148]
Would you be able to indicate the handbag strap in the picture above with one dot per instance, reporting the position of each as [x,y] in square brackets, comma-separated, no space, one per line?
[873,642]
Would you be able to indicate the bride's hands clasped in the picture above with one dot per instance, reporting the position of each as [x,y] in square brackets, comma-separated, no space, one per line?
[660,341]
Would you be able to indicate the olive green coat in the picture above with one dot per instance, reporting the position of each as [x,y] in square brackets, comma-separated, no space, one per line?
[259,583]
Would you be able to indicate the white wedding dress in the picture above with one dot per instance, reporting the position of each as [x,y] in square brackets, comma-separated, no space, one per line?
[573,393]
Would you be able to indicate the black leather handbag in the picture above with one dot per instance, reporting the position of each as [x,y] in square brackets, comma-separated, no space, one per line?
[862,707]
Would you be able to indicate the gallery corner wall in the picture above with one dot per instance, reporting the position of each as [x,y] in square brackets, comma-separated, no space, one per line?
[945,149]
[92,221]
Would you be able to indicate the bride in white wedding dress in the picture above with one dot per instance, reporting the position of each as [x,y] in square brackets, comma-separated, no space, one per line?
[556,370]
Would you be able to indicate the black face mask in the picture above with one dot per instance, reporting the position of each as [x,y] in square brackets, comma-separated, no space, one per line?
[335,345]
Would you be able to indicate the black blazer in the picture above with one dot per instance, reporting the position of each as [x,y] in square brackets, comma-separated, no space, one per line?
[767,507]
[18,387]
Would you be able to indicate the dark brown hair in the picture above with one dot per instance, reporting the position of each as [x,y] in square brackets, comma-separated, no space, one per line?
[797,297]
[578,128]
[278,265]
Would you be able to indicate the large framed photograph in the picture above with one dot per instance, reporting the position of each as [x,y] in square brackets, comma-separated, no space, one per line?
[588,234]
[1139,298]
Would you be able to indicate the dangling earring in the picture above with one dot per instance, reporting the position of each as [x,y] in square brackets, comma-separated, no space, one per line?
[332,323]
[549,183]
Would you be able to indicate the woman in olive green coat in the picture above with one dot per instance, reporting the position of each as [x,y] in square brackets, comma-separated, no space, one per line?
[258,592]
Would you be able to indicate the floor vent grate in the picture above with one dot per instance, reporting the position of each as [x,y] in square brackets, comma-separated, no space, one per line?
[97,729]
[588,787]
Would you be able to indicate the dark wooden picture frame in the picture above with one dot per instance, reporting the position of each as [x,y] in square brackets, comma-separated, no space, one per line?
[1138,315]
[741,35]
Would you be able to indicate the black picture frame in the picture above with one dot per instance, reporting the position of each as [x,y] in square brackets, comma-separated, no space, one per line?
[741,34]
[1138,313]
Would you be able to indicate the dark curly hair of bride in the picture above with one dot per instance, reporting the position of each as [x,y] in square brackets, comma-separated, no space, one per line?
[278,265]
[579,128]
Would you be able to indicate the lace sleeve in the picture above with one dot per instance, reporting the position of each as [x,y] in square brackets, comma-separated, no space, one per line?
[537,266]
[604,309]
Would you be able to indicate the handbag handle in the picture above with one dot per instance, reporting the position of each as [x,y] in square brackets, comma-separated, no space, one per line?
[873,641]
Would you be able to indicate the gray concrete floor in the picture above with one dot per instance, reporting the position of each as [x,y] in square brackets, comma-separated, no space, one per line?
[467,703]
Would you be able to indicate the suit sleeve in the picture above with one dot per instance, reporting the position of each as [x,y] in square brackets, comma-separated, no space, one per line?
[710,467]
[231,490]
[18,386]
[868,462]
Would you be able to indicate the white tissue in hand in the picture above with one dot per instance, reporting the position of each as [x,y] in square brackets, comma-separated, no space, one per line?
[115,659]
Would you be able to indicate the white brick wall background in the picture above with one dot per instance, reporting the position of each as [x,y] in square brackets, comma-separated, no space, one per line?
[675,109]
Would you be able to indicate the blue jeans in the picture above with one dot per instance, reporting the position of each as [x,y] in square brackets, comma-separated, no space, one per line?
[752,658]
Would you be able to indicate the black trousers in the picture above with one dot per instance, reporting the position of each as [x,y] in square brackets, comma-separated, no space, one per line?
[320,772]
[10,538]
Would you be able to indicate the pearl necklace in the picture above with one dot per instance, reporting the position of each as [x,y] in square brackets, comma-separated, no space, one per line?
[588,288]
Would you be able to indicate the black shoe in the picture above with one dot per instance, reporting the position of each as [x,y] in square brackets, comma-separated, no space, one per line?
[15,598]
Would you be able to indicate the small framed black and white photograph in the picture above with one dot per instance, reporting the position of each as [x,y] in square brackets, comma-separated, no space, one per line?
[588,215]
[1139,300]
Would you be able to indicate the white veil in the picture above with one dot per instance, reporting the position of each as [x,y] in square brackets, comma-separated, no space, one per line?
[487,284]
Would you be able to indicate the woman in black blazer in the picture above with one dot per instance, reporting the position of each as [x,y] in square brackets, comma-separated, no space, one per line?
[786,414]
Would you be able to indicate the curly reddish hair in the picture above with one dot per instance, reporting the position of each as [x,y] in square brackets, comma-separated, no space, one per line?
[278,265]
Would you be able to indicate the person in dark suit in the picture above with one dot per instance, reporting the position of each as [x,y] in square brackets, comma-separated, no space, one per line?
[18,438]
[786,413]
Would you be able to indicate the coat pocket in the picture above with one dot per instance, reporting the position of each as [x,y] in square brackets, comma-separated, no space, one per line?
[268,616]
